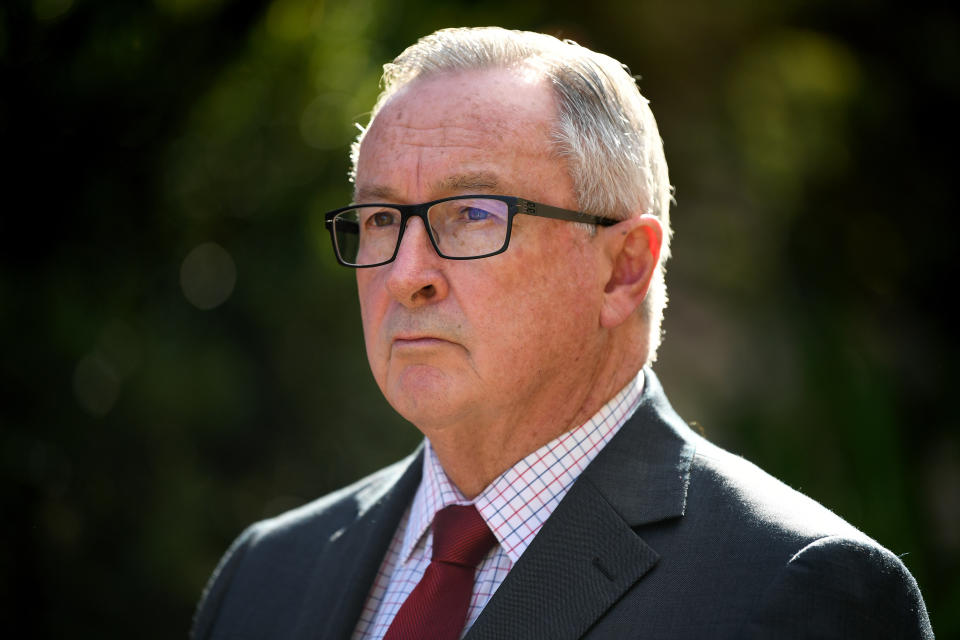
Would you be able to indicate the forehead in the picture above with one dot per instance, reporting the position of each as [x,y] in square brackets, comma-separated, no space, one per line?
[474,131]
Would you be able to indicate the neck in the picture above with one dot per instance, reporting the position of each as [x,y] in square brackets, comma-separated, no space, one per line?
[474,453]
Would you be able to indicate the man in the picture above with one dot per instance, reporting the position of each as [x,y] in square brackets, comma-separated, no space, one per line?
[509,231]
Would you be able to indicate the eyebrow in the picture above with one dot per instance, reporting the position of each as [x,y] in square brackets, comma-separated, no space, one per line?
[372,193]
[479,181]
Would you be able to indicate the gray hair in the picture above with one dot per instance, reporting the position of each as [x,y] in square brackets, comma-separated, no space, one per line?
[605,130]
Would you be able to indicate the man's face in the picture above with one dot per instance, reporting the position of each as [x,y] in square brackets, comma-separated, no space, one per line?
[469,342]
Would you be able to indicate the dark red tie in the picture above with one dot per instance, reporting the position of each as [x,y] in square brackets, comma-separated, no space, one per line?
[437,607]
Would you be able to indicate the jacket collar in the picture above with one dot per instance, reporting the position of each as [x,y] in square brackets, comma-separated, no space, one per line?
[644,472]
[333,606]
[587,555]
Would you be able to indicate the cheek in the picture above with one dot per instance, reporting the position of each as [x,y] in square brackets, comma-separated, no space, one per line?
[363,296]
[371,316]
[370,292]
[537,307]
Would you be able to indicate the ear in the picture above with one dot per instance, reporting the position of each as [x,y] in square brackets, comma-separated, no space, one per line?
[634,249]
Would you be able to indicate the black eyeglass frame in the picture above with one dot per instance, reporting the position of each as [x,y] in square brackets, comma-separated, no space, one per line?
[515,206]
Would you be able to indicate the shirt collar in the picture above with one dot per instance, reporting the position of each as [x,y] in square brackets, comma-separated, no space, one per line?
[435,492]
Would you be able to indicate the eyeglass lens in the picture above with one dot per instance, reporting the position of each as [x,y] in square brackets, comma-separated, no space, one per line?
[463,228]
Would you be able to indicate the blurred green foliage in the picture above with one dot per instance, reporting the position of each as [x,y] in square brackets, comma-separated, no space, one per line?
[182,356]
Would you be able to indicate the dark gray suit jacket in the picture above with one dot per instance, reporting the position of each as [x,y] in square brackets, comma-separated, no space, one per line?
[663,536]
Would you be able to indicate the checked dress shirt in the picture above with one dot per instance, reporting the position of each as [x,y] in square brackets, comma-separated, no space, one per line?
[514,506]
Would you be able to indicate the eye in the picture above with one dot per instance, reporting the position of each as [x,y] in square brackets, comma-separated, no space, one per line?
[475,214]
[382,219]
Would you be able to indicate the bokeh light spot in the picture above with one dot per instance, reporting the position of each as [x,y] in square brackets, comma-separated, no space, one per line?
[294,19]
[789,96]
[47,10]
[95,385]
[208,276]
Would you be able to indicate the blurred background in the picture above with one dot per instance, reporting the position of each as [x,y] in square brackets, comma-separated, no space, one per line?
[182,356]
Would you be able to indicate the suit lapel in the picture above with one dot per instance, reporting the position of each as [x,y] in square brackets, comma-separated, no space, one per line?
[579,564]
[339,585]
[587,554]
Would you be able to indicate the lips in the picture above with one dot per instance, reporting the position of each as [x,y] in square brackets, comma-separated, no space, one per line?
[422,331]
[415,336]
[405,330]
[418,340]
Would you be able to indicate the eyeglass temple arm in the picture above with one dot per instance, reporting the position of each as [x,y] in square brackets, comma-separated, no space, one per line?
[547,211]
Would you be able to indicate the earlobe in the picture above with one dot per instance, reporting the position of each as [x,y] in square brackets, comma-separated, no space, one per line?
[635,251]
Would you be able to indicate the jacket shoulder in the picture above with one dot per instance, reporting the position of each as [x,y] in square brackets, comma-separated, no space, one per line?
[837,587]
[801,570]
[330,512]
[274,561]
[723,484]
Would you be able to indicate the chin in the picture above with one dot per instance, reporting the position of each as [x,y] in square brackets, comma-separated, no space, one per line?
[420,383]
[425,395]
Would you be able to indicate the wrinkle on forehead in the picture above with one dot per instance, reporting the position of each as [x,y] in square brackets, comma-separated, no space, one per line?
[442,137]
[463,114]
[465,182]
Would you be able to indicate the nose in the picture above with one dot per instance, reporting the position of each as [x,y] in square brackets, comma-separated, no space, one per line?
[416,275]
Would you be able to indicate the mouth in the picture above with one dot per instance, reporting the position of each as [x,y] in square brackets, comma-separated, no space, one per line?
[418,341]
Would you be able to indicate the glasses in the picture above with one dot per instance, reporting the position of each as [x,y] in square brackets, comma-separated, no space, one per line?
[460,227]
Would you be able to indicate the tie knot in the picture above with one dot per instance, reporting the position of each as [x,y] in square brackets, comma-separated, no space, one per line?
[460,536]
